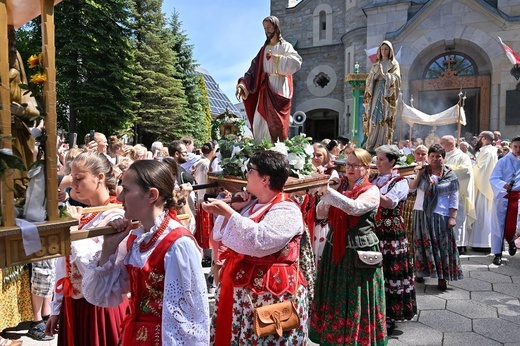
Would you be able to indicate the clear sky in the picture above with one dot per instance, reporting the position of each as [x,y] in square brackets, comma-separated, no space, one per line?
[226,35]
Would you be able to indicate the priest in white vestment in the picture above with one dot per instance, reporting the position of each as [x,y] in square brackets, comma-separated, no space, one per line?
[460,163]
[486,159]
[505,181]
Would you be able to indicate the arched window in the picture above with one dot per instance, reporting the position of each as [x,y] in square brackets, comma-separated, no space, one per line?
[322,25]
[458,63]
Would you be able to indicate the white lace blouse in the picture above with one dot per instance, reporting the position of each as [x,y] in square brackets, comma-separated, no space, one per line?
[185,317]
[82,253]
[241,234]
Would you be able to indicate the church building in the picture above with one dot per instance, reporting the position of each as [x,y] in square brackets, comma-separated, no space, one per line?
[445,49]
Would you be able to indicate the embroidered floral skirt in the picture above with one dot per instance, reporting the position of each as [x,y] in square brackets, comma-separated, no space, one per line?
[242,325]
[15,299]
[401,302]
[349,303]
[436,253]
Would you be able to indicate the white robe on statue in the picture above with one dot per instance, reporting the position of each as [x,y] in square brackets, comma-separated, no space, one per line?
[287,63]
[486,160]
[461,165]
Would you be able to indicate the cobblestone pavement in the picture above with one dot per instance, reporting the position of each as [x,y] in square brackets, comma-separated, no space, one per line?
[482,309]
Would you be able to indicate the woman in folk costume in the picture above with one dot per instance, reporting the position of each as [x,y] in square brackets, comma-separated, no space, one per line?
[159,263]
[436,252]
[76,321]
[380,99]
[349,302]
[261,266]
[401,303]
[420,155]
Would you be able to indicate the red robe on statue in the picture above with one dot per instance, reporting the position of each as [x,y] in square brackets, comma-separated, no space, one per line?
[273,107]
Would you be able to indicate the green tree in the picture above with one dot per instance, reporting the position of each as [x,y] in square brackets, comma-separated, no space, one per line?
[199,125]
[95,66]
[161,114]
[208,119]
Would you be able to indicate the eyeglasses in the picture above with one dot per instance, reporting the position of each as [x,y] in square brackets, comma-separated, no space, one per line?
[251,168]
[350,166]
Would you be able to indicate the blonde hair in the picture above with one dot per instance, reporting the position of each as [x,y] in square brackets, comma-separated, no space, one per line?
[363,156]
[69,157]
[137,152]
[96,163]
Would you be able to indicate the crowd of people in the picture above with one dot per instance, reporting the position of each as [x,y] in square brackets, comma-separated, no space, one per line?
[145,284]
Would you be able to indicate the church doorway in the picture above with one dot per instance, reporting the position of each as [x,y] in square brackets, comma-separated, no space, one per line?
[321,124]
[443,79]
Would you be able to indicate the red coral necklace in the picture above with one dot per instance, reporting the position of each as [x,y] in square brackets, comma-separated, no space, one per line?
[143,247]
[86,219]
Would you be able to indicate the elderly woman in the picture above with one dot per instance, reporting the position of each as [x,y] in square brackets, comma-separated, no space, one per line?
[390,229]
[436,253]
[349,303]
[380,99]
[261,267]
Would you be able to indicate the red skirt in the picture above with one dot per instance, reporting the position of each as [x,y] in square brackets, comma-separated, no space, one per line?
[92,325]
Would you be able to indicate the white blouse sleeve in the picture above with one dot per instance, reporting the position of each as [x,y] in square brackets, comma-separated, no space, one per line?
[399,192]
[185,317]
[107,285]
[367,201]
[58,297]
[279,225]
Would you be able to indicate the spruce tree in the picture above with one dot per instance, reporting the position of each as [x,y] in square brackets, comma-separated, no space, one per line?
[162,115]
[196,93]
[94,66]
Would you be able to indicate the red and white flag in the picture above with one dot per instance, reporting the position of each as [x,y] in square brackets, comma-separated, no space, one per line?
[372,54]
[511,54]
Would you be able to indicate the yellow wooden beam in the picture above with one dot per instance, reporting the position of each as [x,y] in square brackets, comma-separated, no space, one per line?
[6,183]
[49,100]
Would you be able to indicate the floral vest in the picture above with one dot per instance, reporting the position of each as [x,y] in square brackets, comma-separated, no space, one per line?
[143,326]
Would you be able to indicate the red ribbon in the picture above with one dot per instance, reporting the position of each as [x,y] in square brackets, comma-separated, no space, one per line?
[68,290]
[511,215]
[225,301]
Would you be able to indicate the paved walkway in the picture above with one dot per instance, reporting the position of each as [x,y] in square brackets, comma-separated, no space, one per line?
[482,309]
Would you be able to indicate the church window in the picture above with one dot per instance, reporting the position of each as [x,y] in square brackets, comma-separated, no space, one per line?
[322,24]
[457,63]
[321,80]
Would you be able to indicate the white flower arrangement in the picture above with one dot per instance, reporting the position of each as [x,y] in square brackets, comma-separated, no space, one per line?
[236,153]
